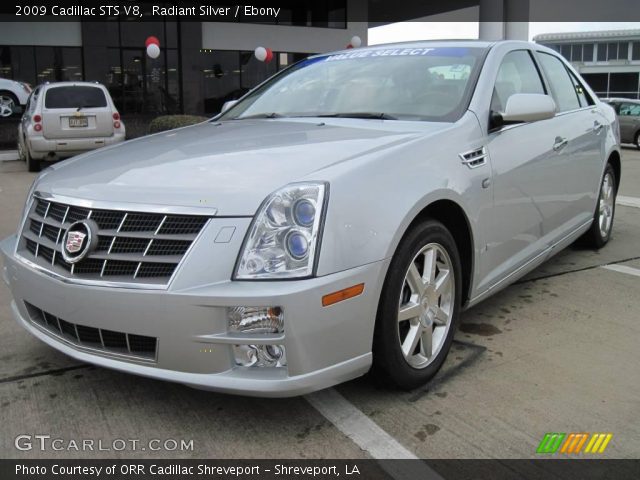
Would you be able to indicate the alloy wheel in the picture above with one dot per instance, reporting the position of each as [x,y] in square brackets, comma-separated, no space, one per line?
[426,305]
[6,106]
[607,199]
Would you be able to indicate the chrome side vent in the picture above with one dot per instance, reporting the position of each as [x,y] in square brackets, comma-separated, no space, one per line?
[474,158]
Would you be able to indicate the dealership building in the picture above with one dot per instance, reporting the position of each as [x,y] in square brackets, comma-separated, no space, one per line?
[201,65]
[204,64]
[608,60]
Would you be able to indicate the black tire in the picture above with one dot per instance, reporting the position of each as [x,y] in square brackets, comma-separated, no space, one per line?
[389,364]
[637,140]
[33,165]
[594,238]
[15,100]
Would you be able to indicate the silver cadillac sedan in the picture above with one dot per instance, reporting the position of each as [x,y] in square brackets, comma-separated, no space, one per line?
[335,220]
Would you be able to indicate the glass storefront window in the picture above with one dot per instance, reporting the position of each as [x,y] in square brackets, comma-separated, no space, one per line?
[623,51]
[18,63]
[587,53]
[229,74]
[71,67]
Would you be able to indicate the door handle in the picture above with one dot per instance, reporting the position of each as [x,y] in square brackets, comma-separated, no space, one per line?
[560,143]
[597,126]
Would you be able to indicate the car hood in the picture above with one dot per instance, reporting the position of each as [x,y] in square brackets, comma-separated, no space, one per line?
[229,167]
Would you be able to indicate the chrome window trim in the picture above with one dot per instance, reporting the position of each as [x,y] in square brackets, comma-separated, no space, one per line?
[504,128]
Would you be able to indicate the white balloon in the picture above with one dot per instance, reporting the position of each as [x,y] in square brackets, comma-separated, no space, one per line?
[153,50]
[356,41]
[260,53]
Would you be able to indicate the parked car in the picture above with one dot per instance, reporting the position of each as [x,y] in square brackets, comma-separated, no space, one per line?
[67,118]
[338,217]
[13,96]
[629,117]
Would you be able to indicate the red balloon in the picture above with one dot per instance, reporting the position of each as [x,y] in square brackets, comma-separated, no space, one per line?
[151,40]
[269,55]
[349,46]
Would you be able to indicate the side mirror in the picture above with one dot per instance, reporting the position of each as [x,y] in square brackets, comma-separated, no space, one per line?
[227,105]
[528,107]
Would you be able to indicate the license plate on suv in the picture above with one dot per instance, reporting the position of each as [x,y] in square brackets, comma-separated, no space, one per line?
[78,122]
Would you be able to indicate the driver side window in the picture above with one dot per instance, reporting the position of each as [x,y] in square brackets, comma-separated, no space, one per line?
[517,74]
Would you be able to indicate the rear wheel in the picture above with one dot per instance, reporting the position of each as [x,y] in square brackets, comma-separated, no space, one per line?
[600,232]
[32,164]
[419,307]
[637,140]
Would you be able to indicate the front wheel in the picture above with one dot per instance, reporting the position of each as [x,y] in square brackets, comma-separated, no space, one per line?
[637,140]
[600,231]
[419,307]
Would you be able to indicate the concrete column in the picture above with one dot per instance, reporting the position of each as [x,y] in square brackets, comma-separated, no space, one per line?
[504,20]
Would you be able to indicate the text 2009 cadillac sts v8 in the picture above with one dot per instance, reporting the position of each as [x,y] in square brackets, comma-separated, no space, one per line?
[337,218]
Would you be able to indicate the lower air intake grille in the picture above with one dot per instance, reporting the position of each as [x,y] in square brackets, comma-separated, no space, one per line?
[118,343]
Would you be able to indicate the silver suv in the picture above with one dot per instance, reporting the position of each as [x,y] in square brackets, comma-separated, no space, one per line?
[67,118]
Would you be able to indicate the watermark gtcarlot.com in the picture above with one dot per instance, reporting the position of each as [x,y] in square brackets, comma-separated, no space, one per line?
[49,443]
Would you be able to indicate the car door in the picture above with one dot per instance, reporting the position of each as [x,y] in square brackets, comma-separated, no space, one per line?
[629,116]
[570,190]
[521,157]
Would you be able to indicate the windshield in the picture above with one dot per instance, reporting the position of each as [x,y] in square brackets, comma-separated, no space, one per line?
[388,83]
[75,97]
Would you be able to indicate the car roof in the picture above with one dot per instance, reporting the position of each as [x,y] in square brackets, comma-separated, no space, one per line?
[72,84]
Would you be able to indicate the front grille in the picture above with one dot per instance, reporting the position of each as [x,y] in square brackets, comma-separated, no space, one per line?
[108,341]
[132,247]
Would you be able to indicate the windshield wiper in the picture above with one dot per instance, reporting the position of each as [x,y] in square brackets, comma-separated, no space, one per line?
[373,115]
[259,115]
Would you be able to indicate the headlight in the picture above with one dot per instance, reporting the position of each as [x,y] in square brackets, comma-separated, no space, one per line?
[283,239]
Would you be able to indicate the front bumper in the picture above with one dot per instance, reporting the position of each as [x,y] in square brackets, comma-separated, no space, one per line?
[324,345]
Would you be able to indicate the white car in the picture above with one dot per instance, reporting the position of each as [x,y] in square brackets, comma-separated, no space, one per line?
[13,94]
[67,118]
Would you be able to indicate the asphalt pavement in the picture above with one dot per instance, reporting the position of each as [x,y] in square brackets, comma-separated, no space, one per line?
[556,352]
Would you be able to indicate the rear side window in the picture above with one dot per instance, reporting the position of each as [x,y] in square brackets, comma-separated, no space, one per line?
[517,74]
[630,109]
[75,97]
[564,90]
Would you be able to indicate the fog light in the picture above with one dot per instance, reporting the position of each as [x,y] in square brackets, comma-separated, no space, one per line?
[260,355]
[256,319]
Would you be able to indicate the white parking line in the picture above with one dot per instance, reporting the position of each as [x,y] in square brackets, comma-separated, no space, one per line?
[628,201]
[365,433]
[623,269]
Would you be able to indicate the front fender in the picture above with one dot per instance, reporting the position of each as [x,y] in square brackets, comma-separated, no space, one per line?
[372,204]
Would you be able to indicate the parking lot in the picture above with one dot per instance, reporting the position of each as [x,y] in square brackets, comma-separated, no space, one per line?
[556,352]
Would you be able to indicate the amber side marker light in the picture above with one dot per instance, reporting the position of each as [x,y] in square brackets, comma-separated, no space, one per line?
[343,294]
